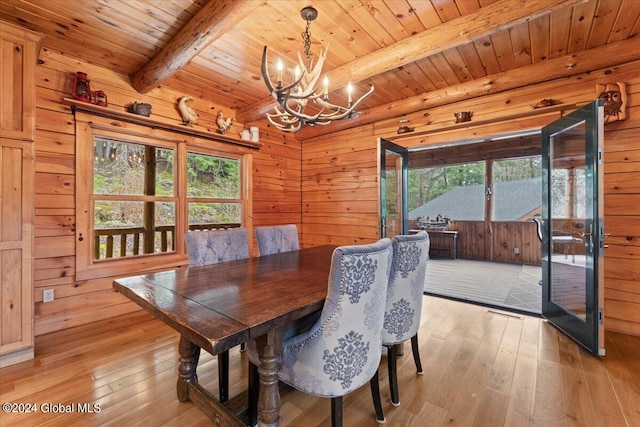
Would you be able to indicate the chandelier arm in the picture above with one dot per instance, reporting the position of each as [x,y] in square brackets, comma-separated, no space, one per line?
[282,113]
[289,125]
[305,93]
[327,105]
[285,118]
[314,74]
[346,112]
[303,117]
[311,97]
[267,79]
[265,72]
[299,113]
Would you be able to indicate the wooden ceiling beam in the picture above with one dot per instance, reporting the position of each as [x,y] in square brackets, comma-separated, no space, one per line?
[566,66]
[212,21]
[457,32]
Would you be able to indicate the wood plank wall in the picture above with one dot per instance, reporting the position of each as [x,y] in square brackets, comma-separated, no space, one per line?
[327,185]
[339,176]
[276,187]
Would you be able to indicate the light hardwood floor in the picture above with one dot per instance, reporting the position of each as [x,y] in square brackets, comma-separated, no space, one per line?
[482,367]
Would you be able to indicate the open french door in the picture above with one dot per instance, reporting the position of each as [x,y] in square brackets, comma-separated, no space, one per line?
[394,166]
[573,226]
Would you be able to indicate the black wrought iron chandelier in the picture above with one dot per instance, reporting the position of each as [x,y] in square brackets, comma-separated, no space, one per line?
[294,109]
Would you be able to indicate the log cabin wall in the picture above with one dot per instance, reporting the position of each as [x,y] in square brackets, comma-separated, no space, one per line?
[327,185]
[339,179]
[276,187]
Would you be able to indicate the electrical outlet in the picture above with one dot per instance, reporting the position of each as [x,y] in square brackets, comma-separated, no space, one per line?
[516,251]
[47,295]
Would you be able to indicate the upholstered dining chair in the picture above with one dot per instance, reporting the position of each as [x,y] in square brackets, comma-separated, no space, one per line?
[277,238]
[211,247]
[404,301]
[342,350]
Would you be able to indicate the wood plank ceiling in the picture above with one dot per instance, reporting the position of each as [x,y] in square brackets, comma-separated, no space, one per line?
[416,53]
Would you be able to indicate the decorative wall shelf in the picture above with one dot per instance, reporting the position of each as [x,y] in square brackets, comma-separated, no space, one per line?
[155,124]
[425,130]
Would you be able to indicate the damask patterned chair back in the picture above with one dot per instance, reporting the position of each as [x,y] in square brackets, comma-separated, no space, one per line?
[404,300]
[277,238]
[211,247]
[342,350]
[214,246]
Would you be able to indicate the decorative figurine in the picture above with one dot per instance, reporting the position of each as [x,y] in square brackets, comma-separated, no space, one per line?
[141,109]
[615,100]
[404,127]
[463,116]
[255,133]
[81,87]
[547,102]
[101,98]
[189,115]
[223,124]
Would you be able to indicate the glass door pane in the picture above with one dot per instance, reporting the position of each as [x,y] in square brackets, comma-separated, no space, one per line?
[393,189]
[570,258]
[572,226]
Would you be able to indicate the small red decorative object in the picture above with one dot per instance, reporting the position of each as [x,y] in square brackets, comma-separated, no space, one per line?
[81,87]
[101,98]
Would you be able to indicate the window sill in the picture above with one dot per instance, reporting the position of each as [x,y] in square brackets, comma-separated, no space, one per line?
[133,265]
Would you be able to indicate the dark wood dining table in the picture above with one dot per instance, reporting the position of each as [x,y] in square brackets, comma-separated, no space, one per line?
[219,306]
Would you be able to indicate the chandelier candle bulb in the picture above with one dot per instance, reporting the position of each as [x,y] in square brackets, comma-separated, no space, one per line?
[326,87]
[279,67]
[349,90]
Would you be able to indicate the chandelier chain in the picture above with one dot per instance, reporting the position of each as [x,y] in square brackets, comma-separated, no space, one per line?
[306,38]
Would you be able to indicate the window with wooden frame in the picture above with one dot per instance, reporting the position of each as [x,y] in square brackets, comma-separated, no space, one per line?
[139,190]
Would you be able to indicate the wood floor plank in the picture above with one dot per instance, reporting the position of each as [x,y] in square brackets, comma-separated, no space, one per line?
[472,390]
[602,395]
[521,396]
[577,403]
[482,367]
[623,368]
[548,407]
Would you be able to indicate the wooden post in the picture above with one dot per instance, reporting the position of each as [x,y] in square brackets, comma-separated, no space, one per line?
[488,211]
[149,190]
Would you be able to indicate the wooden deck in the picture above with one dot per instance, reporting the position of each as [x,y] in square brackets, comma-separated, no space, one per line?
[483,367]
[509,286]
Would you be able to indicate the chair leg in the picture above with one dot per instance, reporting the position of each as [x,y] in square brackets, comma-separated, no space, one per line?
[336,411]
[393,373]
[253,392]
[416,353]
[223,376]
[375,395]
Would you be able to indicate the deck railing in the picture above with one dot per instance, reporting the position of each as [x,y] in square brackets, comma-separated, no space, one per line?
[497,242]
[126,241]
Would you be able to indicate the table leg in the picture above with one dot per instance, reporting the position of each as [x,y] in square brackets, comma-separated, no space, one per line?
[189,355]
[269,398]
